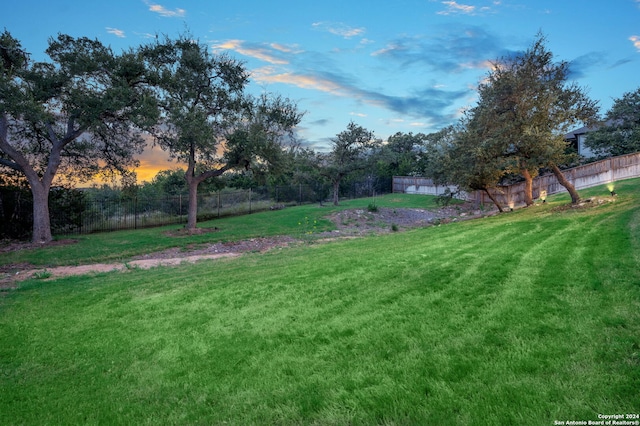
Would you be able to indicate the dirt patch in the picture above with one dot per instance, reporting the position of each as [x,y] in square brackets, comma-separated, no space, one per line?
[198,231]
[585,204]
[10,274]
[65,271]
[383,220]
[349,224]
[12,245]
[255,245]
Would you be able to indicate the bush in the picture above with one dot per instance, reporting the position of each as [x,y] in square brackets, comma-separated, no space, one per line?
[16,213]
[446,198]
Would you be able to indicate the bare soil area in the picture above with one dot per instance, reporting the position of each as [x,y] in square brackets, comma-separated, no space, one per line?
[349,223]
[383,220]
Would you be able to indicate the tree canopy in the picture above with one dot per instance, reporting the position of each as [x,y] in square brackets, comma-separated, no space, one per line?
[207,120]
[77,115]
[620,133]
[400,155]
[529,106]
[348,155]
[473,161]
[525,108]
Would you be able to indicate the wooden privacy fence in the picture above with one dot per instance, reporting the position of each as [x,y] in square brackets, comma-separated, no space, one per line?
[593,174]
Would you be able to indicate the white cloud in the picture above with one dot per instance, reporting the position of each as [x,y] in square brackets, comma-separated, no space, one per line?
[431,104]
[116,32]
[339,29]
[286,49]
[635,39]
[304,82]
[163,11]
[389,49]
[146,35]
[454,7]
[257,52]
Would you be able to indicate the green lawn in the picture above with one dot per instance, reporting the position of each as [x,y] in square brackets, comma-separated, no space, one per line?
[121,245]
[524,318]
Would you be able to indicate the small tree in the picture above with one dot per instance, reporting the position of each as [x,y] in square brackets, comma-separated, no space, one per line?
[620,134]
[399,156]
[208,122]
[75,115]
[436,160]
[305,169]
[348,155]
[474,162]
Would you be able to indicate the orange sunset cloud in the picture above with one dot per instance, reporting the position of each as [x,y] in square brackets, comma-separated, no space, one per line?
[152,160]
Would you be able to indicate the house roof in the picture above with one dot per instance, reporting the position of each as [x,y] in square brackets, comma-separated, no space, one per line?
[581,131]
[586,129]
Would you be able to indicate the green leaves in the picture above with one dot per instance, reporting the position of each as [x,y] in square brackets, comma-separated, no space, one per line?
[621,133]
[77,114]
[525,108]
[206,118]
[195,91]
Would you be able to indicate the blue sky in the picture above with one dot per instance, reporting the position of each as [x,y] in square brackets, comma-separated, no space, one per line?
[401,66]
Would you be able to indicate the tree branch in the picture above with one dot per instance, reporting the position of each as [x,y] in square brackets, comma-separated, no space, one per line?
[213,173]
[11,164]
[19,163]
[70,135]
[51,133]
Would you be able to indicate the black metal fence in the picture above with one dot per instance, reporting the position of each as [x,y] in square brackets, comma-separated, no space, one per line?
[85,213]
[141,212]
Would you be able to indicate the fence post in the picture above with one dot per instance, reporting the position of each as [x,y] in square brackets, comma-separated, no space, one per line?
[249,200]
[612,171]
[135,212]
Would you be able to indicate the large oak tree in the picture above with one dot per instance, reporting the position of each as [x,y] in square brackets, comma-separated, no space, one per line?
[208,121]
[529,106]
[75,115]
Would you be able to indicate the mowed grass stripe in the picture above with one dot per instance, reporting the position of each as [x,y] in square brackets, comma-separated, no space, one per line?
[513,319]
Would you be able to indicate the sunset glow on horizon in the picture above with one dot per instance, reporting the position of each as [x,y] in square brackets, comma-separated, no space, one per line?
[153,160]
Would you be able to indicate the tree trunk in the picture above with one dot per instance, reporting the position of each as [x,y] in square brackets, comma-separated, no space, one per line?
[528,187]
[494,200]
[336,192]
[192,183]
[41,219]
[192,212]
[575,197]
[40,185]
